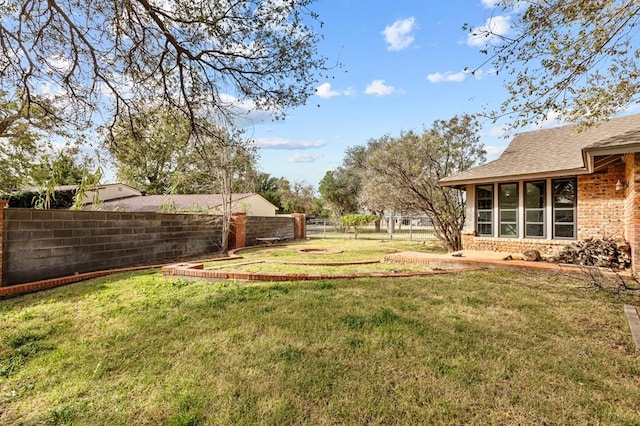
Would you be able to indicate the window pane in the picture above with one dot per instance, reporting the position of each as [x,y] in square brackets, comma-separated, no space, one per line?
[535,230]
[485,229]
[564,231]
[564,193]
[535,195]
[485,191]
[508,229]
[485,204]
[535,216]
[563,216]
[508,216]
[484,216]
[508,196]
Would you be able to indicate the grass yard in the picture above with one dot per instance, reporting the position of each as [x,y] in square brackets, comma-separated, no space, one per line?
[498,347]
[283,258]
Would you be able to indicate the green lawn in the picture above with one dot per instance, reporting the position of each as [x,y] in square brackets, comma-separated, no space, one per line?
[496,347]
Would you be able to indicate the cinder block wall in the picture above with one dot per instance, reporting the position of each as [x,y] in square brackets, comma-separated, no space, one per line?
[269,227]
[43,244]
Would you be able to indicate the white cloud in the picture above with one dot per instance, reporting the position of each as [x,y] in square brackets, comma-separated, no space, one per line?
[300,157]
[398,35]
[281,143]
[59,63]
[378,88]
[490,32]
[325,91]
[490,3]
[499,131]
[447,77]
[553,119]
[494,151]
[246,110]
[480,74]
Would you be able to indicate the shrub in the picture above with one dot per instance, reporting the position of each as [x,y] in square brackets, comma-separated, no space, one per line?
[356,221]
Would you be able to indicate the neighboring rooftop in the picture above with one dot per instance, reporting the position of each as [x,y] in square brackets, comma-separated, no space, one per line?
[555,152]
[181,202]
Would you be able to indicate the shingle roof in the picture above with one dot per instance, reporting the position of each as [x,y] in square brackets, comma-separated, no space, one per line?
[554,151]
[184,202]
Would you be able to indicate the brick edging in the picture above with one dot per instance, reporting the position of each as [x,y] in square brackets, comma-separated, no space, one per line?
[18,289]
[196,270]
[14,290]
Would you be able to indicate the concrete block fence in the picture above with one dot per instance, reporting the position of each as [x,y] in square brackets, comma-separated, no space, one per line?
[37,245]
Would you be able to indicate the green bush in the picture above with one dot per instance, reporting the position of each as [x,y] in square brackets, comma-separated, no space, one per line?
[29,199]
[356,221]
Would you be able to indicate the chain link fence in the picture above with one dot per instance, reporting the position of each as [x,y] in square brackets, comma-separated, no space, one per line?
[411,228]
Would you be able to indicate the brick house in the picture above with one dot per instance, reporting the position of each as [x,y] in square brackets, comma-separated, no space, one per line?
[555,185]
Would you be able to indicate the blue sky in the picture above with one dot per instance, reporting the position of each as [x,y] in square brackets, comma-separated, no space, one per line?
[402,68]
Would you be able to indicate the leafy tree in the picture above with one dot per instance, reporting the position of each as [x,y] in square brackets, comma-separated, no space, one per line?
[357,221]
[402,173]
[66,167]
[577,59]
[297,197]
[150,148]
[37,199]
[339,188]
[112,54]
[219,164]
[22,131]
[268,186]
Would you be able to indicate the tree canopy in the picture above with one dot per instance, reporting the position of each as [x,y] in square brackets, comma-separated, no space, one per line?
[569,58]
[150,149]
[108,55]
[402,173]
[24,139]
[340,188]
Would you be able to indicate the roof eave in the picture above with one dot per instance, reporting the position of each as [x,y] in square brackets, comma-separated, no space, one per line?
[510,178]
[613,150]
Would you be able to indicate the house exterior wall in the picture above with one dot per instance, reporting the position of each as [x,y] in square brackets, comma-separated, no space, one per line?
[112,192]
[601,211]
[600,207]
[632,207]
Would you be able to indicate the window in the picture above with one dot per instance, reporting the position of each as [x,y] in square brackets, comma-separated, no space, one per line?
[564,208]
[508,209]
[484,208]
[534,209]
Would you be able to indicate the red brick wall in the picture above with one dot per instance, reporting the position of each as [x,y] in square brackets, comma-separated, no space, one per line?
[511,245]
[238,231]
[632,207]
[3,204]
[601,209]
[300,225]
